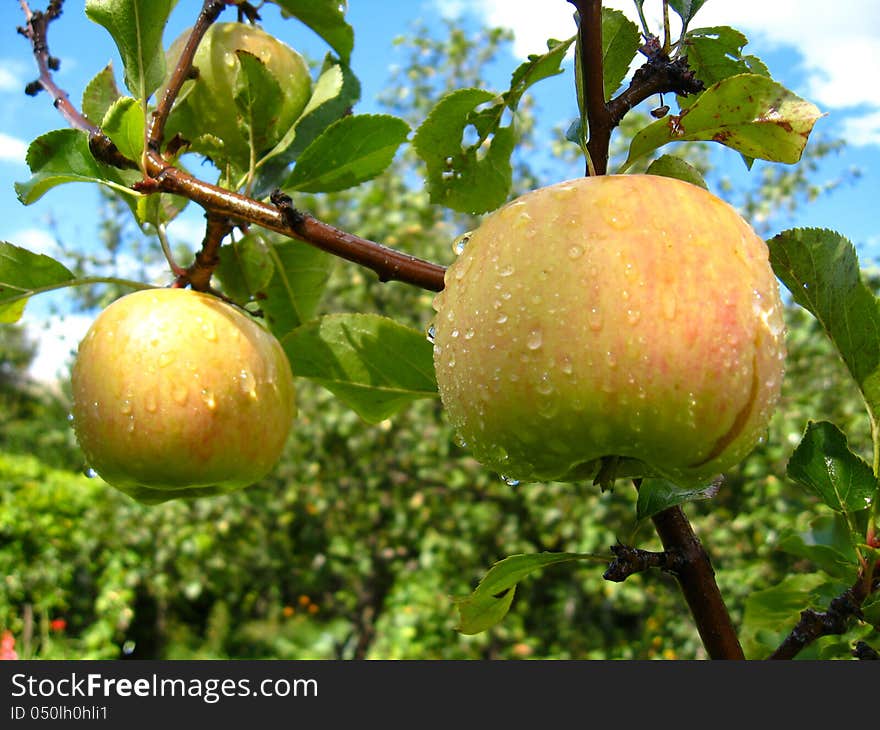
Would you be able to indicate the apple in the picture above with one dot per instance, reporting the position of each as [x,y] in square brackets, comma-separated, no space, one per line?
[178,394]
[631,320]
[206,105]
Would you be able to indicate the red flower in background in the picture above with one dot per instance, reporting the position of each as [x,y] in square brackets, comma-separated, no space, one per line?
[58,624]
[7,646]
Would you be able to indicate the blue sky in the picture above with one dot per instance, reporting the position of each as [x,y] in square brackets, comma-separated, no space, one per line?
[826,52]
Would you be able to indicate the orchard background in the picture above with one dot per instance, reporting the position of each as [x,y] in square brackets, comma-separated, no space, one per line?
[354,545]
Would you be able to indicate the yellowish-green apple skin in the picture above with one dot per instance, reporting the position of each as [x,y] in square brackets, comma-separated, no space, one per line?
[208,102]
[634,316]
[177,393]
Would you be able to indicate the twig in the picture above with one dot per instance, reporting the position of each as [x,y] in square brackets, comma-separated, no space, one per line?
[629,560]
[211,10]
[658,75]
[836,620]
[697,580]
[162,176]
[198,274]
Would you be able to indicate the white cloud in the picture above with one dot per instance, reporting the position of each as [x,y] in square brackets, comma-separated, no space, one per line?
[12,149]
[38,240]
[57,338]
[14,75]
[838,44]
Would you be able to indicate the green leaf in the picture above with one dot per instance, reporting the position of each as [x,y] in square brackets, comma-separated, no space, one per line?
[372,363]
[246,267]
[258,98]
[821,270]
[715,53]
[350,151]
[22,274]
[326,18]
[620,44]
[748,112]
[535,69]
[686,9]
[474,179]
[335,92]
[491,600]
[672,166]
[774,611]
[656,495]
[827,544]
[99,95]
[823,463]
[124,124]
[299,276]
[136,27]
[63,156]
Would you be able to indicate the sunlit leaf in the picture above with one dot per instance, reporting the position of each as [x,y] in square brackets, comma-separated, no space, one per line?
[350,151]
[22,273]
[672,166]
[136,27]
[656,495]
[748,112]
[327,19]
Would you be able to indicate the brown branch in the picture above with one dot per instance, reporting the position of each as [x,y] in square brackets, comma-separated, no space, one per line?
[198,274]
[211,10]
[658,75]
[219,203]
[629,560]
[697,581]
[836,620]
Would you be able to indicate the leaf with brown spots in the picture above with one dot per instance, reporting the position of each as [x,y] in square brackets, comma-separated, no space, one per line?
[748,112]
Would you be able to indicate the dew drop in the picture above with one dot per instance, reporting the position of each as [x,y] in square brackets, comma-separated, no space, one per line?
[501,318]
[469,333]
[89,472]
[566,365]
[575,252]
[247,384]
[510,481]
[544,386]
[535,339]
[70,418]
[125,408]
[150,403]
[209,332]
[165,360]
[595,319]
[506,270]
[455,334]
[208,398]
[633,316]
[431,334]
[458,245]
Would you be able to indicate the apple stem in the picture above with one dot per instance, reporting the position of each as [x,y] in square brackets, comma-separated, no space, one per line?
[198,274]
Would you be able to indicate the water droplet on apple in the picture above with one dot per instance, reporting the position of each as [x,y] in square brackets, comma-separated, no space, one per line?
[458,245]
[150,402]
[125,408]
[208,398]
[469,334]
[633,316]
[575,251]
[595,319]
[545,386]
[455,334]
[501,318]
[535,339]
[506,270]
[247,384]
[566,365]
[209,332]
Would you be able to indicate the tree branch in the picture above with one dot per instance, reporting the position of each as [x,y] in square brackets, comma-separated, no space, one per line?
[697,580]
[219,203]
[629,560]
[836,620]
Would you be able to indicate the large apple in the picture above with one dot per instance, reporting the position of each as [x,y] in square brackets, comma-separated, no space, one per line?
[176,393]
[628,319]
[207,106]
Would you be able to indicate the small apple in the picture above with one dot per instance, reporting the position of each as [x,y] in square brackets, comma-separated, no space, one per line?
[628,319]
[178,394]
[206,105]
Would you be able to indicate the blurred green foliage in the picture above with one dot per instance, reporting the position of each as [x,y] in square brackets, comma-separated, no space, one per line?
[355,544]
